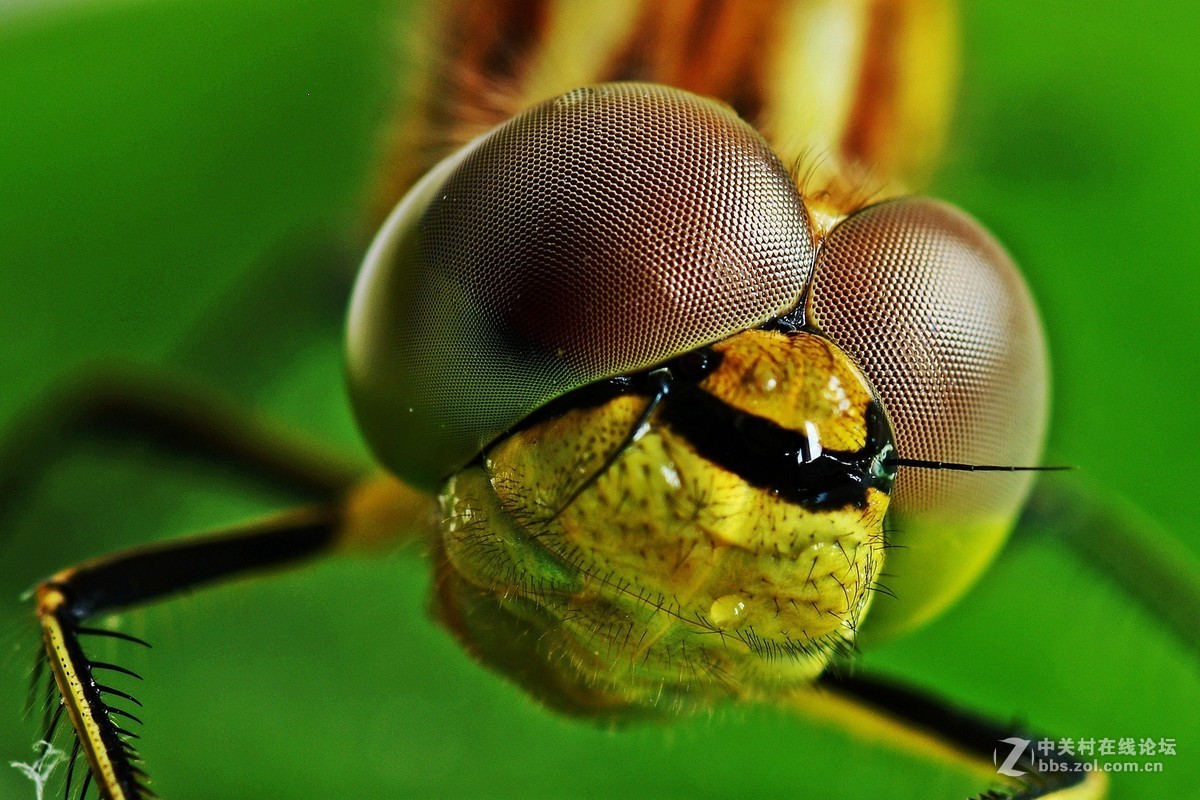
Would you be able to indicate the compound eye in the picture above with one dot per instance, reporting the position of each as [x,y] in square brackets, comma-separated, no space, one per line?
[941,322]
[601,232]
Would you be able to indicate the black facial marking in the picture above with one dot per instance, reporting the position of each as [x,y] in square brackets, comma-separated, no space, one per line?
[788,323]
[781,460]
[761,452]
[691,367]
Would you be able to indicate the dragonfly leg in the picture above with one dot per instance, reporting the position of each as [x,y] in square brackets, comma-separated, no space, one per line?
[175,417]
[354,509]
[65,601]
[1149,564]
[931,728]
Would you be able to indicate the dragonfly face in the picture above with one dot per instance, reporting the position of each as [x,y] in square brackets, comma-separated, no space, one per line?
[723,545]
[737,524]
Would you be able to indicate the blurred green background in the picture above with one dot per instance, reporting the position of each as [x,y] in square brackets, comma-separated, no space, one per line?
[166,170]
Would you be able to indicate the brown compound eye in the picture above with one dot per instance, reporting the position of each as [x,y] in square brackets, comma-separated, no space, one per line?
[601,232]
[621,224]
[940,320]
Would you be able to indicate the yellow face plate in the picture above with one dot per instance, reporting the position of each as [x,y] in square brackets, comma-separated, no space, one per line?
[667,573]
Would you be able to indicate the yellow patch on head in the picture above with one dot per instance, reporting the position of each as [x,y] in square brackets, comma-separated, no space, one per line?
[664,573]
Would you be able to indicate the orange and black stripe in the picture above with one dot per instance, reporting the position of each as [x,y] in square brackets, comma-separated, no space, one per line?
[853,94]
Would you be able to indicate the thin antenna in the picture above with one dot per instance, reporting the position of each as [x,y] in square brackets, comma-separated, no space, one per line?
[662,382]
[921,464]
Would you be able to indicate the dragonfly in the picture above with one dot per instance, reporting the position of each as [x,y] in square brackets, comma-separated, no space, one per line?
[635,734]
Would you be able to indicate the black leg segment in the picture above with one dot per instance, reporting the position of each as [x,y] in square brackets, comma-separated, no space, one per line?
[139,576]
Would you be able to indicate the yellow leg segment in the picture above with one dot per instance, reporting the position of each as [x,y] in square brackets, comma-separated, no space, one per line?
[902,719]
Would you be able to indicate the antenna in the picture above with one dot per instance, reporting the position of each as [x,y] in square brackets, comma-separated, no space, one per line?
[922,464]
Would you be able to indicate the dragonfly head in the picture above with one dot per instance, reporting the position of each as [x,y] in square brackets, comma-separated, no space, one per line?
[608,233]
